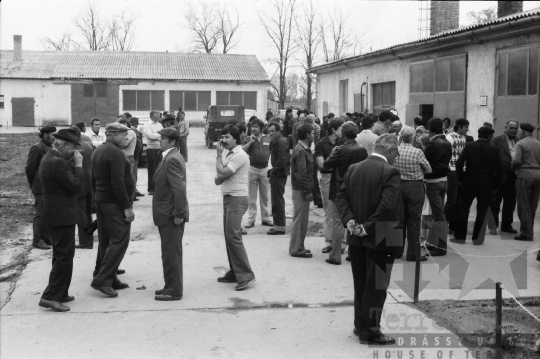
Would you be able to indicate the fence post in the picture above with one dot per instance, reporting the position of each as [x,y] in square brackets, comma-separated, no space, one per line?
[498,320]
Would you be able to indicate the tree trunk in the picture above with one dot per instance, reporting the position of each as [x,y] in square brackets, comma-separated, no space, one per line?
[308,93]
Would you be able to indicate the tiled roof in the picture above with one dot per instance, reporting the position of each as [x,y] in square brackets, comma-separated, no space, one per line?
[533,13]
[132,65]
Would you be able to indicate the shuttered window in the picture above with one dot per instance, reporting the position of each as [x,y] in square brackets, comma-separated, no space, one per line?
[189,100]
[142,100]
[248,99]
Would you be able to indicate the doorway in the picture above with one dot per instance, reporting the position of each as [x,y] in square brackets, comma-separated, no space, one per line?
[23,111]
[426,112]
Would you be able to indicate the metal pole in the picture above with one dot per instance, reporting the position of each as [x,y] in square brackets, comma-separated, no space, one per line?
[498,320]
[417,271]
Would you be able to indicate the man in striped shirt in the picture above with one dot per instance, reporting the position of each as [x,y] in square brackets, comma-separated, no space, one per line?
[457,140]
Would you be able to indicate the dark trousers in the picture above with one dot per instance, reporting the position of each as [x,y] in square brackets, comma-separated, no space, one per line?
[85,217]
[507,193]
[469,192]
[171,256]
[435,193]
[413,195]
[153,161]
[317,197]
[113,234]
[233,211]
[277,192]
[63,241]
[527,190]
[183,147]
[40,231]
[371,275]
[300,223]
[452,199]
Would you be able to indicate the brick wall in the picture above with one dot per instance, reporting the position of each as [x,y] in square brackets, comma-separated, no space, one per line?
[505,8]
[444,16]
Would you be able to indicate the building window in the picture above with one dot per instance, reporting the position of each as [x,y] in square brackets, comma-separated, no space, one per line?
[97,90]
[518,72]
[89,90]
[422,77]
[384,96]
[1,102]
[140,100]
[343,96]
[450,74]
[189,100]
[239,98]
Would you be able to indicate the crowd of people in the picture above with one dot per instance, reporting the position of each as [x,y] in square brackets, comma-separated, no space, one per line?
[380,184]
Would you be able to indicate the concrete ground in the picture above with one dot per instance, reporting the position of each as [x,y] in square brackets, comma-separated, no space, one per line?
[298,308]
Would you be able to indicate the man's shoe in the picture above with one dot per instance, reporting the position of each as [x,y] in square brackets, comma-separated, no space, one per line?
[150,193]
[509,230]
[91,227]
[268,223]
[380,340]
[437,253]
[249,225]
[135,199]
[244,231]
[243,285]
[327,249]
[54,305]
[138,194]
[108,291]
[159,291]
[521,237]
[355,332]
[68,298]
[303,255]
[40,245]
[48,241]
[329,261]
[413,259]
[120,271]
[458,241]
[348,258]
[227,278]
[538,256]
[273,232]
[450,231]
[120,285]
[84,246]
[167,297]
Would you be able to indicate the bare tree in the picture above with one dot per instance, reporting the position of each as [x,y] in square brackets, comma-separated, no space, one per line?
[122,31]
[280,27]
[478,17]
[336,37]
[64,42]
[229,25]
[308,40]
[93,28]
[203,20]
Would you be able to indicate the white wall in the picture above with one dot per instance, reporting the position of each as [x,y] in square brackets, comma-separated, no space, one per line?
[52,102]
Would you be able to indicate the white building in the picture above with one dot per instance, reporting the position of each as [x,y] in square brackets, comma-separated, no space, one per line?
[66,87]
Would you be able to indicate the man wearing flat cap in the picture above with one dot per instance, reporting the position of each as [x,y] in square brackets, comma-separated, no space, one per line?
[526,163]
[480,181]
[61,182]
[170,212]
[41,238]
[113,199]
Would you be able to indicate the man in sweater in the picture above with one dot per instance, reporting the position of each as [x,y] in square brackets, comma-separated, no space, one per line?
[526,162]
[113,198]
[153,146]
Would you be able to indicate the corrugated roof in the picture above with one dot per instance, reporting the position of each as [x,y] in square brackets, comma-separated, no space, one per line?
[443,34]
[124,65]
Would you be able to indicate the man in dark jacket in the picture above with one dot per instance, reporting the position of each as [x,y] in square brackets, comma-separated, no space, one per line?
[36,153]
[281,168]
[506,191]
[479,182]
[371,208]
[113,198]
[302,186]
[438,153]
[339,161]
[61,184]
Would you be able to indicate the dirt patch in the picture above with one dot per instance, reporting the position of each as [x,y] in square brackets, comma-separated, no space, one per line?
[474,322]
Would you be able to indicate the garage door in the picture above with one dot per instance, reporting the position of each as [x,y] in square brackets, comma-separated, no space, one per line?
[23,111]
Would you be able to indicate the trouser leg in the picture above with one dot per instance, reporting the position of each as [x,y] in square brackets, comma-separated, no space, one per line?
[467,197]
[171,255]
[300,223]
[483,200]
[413,195]
[40,231]
[317,195]
[438,233]
[264,185]
[253,186]
[152,156]
[327,207]
[509,201]
[524,192]
[338,232]
[62,269]
[183,148]
[277,184]
[85,239]
[450,208]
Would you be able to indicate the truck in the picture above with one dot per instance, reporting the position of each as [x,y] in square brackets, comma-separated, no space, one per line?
[219,116]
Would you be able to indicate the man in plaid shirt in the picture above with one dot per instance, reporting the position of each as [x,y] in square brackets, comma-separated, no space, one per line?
[412,164]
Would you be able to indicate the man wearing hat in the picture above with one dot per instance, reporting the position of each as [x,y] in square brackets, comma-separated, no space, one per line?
[170,212]
[479,182]
[113,198]
[61,182]
[183,130]
[526,162]
[36,153]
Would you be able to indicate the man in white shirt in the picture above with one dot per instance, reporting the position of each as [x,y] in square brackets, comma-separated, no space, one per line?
[94,134]
[232,166]
[367,138]
[153,146]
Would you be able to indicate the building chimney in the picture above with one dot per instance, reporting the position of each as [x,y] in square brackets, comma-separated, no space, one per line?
[444,16]
[17,48]
[505,8]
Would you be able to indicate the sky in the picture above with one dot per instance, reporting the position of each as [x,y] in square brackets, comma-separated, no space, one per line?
[161,24]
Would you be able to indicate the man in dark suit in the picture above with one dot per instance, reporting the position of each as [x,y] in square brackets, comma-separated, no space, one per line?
[371,208]
[339,161]
[506,191]
[170,212]
[479,182]
[41,238]
[61,183]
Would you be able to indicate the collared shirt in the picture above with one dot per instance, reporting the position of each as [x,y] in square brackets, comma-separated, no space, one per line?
[323,148]
[412,163]
[150,133]
[367,139]
[238,162]
[183,128]
[97,139]
[379,155]
[527,159]
[511,145]
[458,144]
[379,128]
[258,151]
[131,142]
[164,153]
